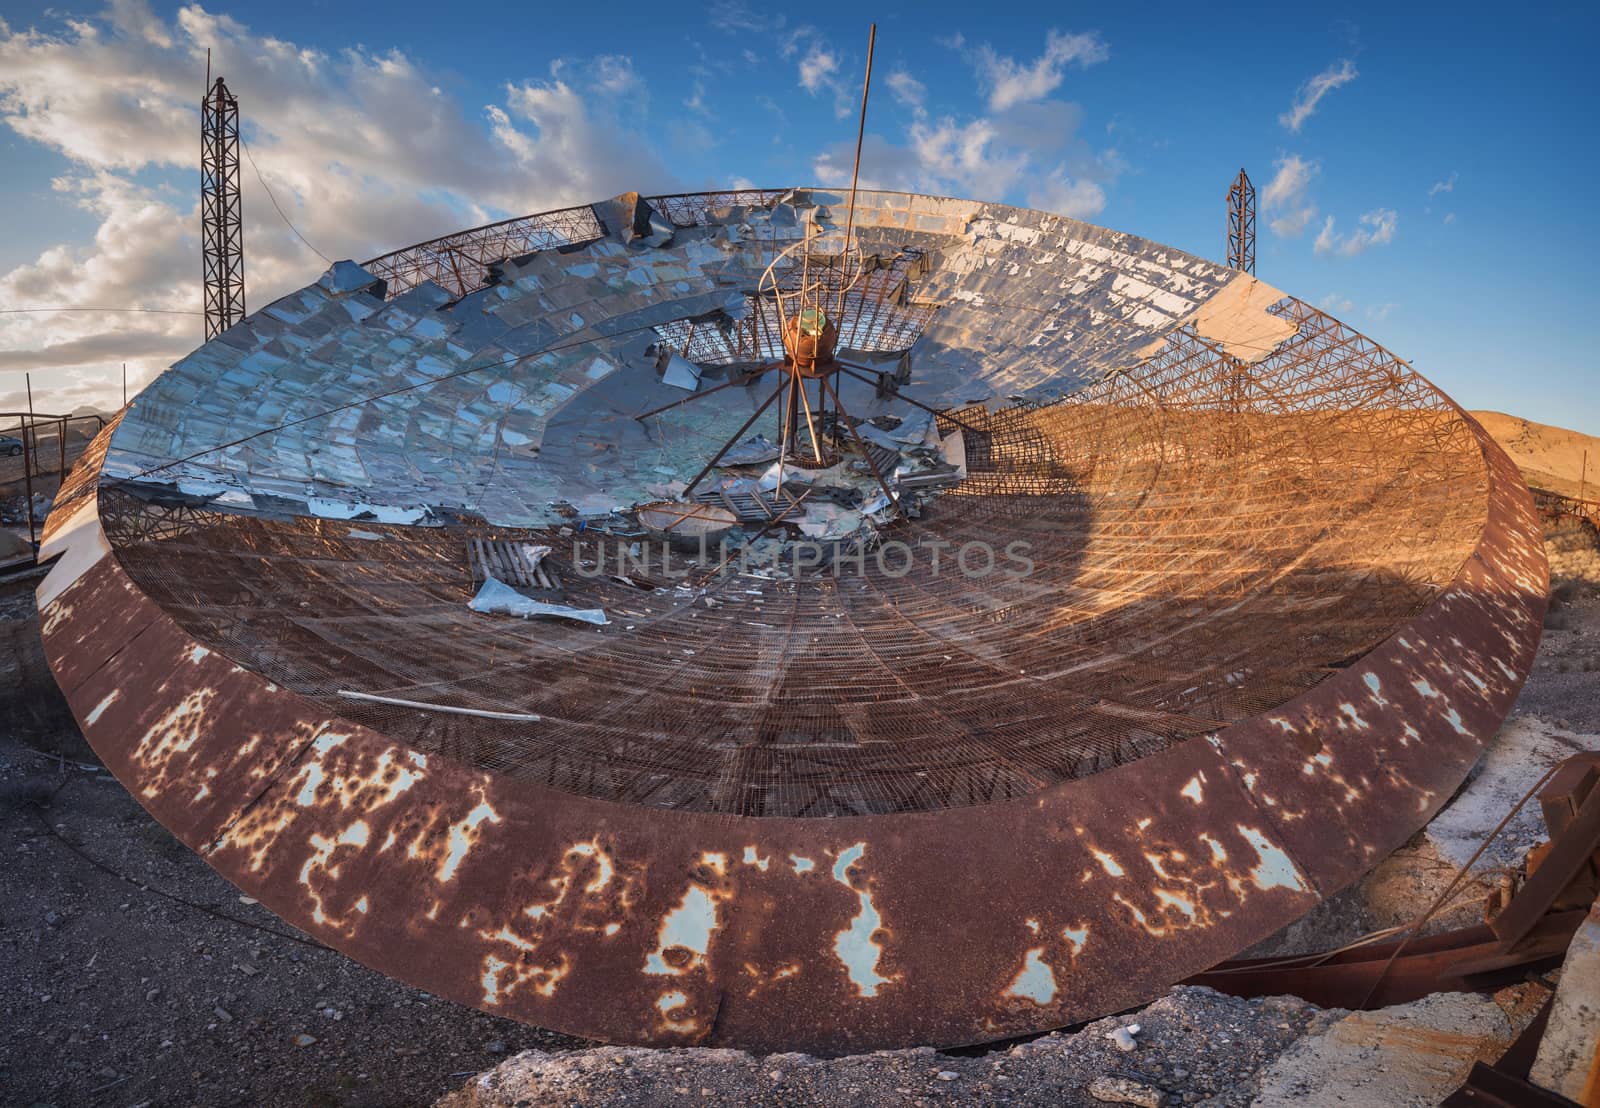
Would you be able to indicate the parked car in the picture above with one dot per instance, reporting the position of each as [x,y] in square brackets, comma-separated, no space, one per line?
[11,446]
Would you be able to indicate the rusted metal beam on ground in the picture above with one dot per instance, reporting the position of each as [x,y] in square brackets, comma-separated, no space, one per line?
[1569,855]
[1460,960]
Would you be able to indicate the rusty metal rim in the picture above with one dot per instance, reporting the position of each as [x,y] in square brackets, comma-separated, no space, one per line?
[781,933]
[900,986]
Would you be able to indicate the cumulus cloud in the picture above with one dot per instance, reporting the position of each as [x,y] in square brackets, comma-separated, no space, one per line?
[909,91]
[614,74]
[1074,196]
[1447,185]
[1032,149]
[1010,82]
[1310,94]
[1326,239]
[1285,200]
[1024,145]
[1375,228]
[362,149]
[819,67]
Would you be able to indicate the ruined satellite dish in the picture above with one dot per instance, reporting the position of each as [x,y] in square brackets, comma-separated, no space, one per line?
[1127,608]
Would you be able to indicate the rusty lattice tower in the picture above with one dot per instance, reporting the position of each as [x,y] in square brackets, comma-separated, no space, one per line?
[1242,223]
[221,210]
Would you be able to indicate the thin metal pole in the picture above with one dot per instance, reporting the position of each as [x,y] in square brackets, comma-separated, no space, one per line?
[727,446]
[855,174]
[816,447]
[844,418]
[742,379]
[124,384]
[844,367]
[1583,474]
[27,460]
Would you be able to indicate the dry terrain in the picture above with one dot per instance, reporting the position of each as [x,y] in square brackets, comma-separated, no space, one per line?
[1549,457]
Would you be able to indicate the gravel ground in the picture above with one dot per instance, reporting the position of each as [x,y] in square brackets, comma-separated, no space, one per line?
[1194,1046]
[1564,687]
[116,995]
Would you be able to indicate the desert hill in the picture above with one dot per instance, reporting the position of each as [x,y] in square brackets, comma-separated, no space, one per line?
[1549,457]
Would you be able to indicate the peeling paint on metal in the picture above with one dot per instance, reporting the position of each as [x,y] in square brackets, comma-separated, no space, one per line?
[855,946]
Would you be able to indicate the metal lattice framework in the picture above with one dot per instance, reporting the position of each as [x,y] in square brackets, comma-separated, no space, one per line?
[460,262]
[1279,594]
[697,209]
[1337,456]
[1242,224]
[881,315]
[221,209]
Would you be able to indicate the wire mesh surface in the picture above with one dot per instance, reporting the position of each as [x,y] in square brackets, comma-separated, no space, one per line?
[1208,539]
[1275,596]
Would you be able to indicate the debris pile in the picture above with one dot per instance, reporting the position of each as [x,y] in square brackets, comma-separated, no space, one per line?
[1193,1046]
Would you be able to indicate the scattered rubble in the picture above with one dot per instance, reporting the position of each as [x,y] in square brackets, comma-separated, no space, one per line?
[1409,1055]
[1196,1046]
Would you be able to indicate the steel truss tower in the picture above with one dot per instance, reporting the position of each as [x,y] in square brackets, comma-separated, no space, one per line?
[1242,224]
[221,211]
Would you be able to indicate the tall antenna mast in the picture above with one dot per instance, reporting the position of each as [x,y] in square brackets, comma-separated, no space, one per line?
[1242,224]
[221,208]
[861,133]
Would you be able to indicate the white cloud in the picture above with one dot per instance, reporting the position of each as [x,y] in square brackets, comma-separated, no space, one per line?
[1326,239]
[1376,228]
[1337,304]
[909,91]
[1447,185]
[1029,149]
[1380,312]
[1079,198]
[819,67]
[363,151]
[1449,218]
[1288,208]
[733,17]
[1310,94]
[1024,146]
[1010,82]
[697,99]
[614,74]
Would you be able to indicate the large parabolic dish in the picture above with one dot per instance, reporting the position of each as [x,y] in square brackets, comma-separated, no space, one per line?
[1279,593]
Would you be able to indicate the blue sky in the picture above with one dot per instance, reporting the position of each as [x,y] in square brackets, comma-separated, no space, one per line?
[1451,148]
